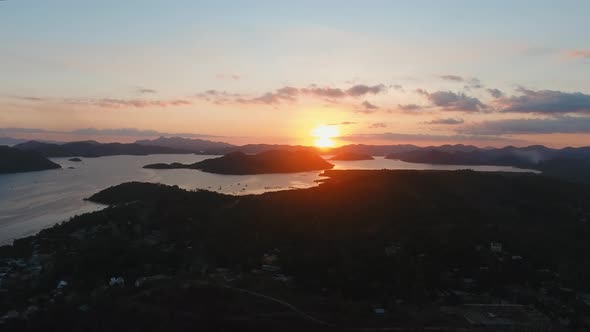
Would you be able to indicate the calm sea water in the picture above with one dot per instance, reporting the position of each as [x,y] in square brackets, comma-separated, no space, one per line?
[32,201]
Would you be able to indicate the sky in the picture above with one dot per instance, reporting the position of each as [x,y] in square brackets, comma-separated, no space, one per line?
[490,73]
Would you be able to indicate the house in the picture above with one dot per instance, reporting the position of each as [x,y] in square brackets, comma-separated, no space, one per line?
[117,281]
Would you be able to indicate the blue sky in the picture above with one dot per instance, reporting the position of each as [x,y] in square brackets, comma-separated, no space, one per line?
[68,65]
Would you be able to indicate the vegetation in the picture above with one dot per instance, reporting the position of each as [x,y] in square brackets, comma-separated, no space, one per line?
[410,242]
[14,161]
[273,161]
[570,163]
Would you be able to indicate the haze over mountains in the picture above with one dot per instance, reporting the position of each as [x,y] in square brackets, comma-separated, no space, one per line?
[193,145]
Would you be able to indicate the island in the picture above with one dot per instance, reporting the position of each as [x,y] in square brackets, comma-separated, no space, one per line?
[15,161]
[350,156]
[77,160]
[239,163]
[572,164]
[405,250]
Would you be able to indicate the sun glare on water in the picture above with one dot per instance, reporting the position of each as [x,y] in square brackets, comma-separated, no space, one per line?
[324,136]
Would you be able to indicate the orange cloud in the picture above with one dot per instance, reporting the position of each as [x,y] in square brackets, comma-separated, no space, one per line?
[578,54]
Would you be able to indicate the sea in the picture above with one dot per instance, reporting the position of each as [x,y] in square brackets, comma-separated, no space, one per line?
[30,202]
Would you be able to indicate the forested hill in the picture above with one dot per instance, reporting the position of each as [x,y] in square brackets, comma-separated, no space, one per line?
[14,161]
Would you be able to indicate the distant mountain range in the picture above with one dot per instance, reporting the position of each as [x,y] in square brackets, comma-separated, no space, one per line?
[529,156]
[568,163]
[10,141]
[15,161]
[188,144]
[571,163]
[94,149]
[201,146]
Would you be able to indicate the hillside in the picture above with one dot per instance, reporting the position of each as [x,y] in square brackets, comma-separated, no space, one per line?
[422,245]
[273,161]
[15,161]
[568,163]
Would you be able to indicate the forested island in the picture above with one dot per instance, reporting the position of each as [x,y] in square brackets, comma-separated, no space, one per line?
[273,161]
[364,249]
[16,161]
[569,163]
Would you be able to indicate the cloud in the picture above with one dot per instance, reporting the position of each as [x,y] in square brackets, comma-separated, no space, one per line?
[325,92]
[217,96]
[343,123]
[545,102]
[473,83]
[409,107]
[564,124]
[267,98]
[578,54]
[291,94]
[361,90]
[365,111]
[27,98]
[452,78]
[421,92]
[130,132]
[123,103]
[112,102]
[358,90]
[448,121]
[234,77]
[495,93]
[369,106]
[13,131]
[451,101]
[378,125]
[146,91]
[397,87]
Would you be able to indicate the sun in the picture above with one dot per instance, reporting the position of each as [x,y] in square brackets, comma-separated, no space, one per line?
[324,135]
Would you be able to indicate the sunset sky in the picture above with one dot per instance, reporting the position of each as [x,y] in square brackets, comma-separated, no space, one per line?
[489,73]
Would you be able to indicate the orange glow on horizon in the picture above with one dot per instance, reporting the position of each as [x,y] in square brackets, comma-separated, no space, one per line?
[324,136]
